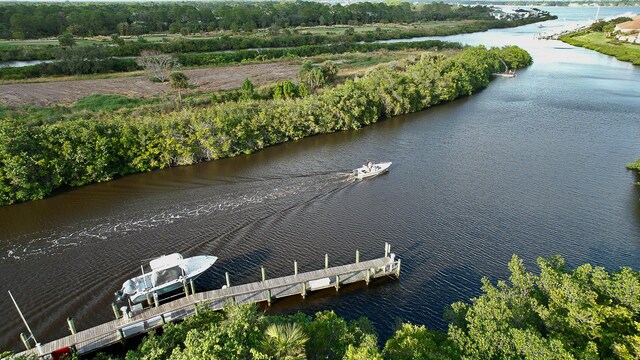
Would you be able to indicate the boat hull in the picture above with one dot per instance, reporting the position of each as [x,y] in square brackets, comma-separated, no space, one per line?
[168,273]
[142,297]
[376,169]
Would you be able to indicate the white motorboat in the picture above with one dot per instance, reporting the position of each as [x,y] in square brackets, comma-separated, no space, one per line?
[371,170]
[168,272]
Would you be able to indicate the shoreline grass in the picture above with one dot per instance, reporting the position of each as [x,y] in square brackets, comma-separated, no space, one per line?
[597,41]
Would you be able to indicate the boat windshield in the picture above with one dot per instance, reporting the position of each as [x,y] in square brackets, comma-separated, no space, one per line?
[164,276]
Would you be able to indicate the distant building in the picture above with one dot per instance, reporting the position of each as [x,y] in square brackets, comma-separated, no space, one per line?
[499,14]
[516,14]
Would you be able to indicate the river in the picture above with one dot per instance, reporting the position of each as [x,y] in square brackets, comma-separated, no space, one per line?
[533,165]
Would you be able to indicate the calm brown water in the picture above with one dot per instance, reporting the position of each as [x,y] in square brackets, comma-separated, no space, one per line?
[532,165]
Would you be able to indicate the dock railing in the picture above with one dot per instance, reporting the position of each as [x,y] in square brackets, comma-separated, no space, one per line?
[267,290]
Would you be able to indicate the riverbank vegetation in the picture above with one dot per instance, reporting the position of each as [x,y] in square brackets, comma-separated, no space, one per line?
[95,61]
[558,313]
[635,166]
[601,37]
[38,158]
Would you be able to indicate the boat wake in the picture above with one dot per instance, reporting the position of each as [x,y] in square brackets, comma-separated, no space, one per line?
[102,229]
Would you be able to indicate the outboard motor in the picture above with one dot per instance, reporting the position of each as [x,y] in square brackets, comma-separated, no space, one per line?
[128,288]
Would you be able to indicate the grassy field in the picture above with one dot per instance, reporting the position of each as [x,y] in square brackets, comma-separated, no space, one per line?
[597,41]
[600,38]
[8,44]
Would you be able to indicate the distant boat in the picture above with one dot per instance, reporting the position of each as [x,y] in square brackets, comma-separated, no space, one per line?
[507,72]
[168,272]
[510,73]
[371,170]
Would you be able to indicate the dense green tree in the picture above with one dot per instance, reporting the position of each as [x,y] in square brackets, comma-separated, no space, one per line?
[513,56]
[237,335]
[285,341]
[66,40]
[367,350]
[416,342]
[561,313]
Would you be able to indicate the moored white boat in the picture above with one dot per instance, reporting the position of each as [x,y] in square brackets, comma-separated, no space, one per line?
[371,170]
[168,272]
[507,74]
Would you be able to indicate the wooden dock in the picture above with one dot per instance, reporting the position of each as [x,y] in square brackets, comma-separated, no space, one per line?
[267,290]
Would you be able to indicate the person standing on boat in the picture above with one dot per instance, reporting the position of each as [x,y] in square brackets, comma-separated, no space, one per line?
[369,165]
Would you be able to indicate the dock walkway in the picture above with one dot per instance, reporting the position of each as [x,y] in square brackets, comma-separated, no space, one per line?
[115,331]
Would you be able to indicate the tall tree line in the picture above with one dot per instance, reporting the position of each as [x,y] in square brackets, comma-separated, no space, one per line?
[38,20]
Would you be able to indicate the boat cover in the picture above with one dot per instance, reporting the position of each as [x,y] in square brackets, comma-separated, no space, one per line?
[160,277]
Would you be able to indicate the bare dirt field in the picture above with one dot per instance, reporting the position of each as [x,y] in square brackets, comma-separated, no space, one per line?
[210,79]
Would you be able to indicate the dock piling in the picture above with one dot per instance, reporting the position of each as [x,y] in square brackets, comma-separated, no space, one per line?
[304,290]
[337,282]
[72,326]
[185,288]
[226,276]
[25,341]
[156,301]
[116,313]
[295,268]
[357,256]
[193,287]
[326,261]
[269,297]
[264,275]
